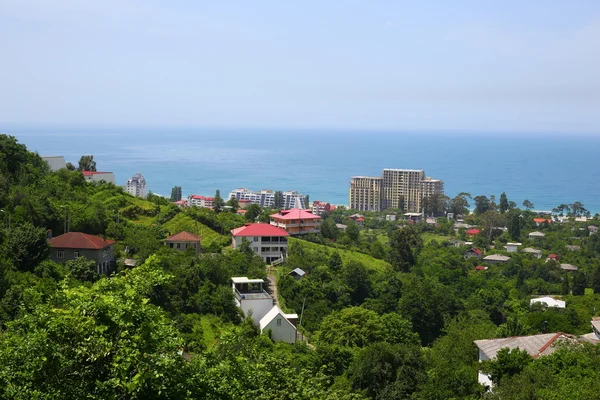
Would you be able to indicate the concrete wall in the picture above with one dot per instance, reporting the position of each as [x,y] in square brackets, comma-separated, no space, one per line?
[103,259]
[259,308]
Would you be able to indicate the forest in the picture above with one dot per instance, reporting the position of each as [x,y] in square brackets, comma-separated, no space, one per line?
[389,308]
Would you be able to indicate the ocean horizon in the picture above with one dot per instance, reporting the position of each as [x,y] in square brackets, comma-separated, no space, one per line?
[547,169]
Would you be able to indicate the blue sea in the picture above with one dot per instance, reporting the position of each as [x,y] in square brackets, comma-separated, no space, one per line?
[546,169]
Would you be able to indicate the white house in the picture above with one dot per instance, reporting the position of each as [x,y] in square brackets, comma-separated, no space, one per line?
[512,247]
[535,345]
[97,176]
[200,201]
[251,297]
[568,267]
[534,252]
[55,162]
[282,326]
[496,258]
[549,302]
[254,300]
[536,235]
[268,241]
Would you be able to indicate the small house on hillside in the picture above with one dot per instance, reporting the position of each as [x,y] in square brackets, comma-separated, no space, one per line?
[534,252]
[471,233]
[535,345]
[73,245]
[552,257]
[473,252]
[358,219]
[536,235]
[282,327]
[539,221]
[297,273]
[572,247]
[512,247]
[549,302]
[593,229]
[568,267]
[253,299]
[184,240]
[496,259]
[296,221]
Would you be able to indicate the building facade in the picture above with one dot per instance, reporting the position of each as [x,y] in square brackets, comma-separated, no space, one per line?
[136,186]
[73,245]
[365,193]
[267,241]
[97,176]
[397,188]
[266,198]
[182,241]
[55,162]
[296,221]
[200,201]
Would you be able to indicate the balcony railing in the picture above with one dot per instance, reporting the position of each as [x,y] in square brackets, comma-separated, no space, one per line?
[254,295]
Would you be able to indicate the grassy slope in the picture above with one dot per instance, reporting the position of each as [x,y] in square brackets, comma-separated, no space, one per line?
[347,255]
[429,237]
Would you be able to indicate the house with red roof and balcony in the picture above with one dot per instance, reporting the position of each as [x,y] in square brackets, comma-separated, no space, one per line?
[296,221]
[200,201]
[267,241]
[73,245]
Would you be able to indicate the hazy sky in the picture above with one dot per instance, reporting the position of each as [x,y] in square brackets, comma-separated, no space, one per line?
[443,65]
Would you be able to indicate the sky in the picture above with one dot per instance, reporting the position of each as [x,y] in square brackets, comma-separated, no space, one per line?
[519,66]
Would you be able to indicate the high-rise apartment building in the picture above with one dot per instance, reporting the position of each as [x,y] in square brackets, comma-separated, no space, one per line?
[396,188]
[365,193]
[266,198]
[136,185]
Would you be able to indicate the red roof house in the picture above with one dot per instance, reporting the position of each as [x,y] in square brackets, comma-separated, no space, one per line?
[296,221]
[73,245]
[182,240]
[267,241]
[472,232]
[481,268]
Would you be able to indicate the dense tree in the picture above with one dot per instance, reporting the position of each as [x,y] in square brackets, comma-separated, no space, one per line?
[232,205]
[405,244]
[459,205]
[329,229]
[482,204]
[218,202]
[566,287]
[528,205]
[176,193]
[508,362]
[278,199]
[579,284]
[514,225]
[87,163]
[352,232]
[252,212]
[503,206]
[27,246]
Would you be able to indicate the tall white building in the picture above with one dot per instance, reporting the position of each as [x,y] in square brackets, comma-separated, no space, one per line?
[136,185]
[266,198]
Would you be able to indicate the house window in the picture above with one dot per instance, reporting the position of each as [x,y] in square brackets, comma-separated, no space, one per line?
[171,245]
[278,321]
[76,254]
[60,254]
[178,245]
[256,238]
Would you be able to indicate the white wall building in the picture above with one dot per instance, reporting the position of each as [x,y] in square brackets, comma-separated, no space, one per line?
[267,241]
[549,302]
[200,201]
[266,198]
[55,162]
[136,186]
[93,176]
[281,326]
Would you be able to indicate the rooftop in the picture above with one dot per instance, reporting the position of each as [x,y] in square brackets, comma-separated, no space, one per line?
[243,279]
[90,173]
[531,250]
[535,345]
[79,240]
[568,267]
[539,234]
[549,301]
[184,237]
[496,257]
[260,229]
[295,213]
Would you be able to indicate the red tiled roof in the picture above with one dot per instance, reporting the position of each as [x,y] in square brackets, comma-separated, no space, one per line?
[183,237]
[259,230]
[90,173]
[481,268]
[360,219]
[295,213]
[243,201]
[472,231]
[476,250]
[541,220]
[79,240]
[554,256]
